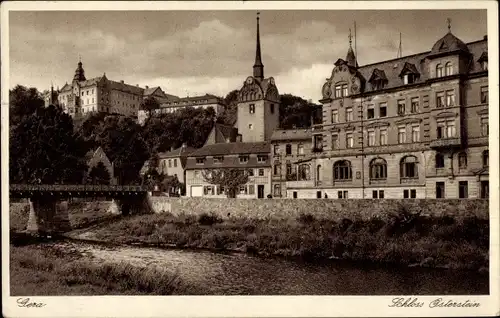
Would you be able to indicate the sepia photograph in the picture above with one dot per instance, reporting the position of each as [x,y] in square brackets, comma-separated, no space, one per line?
[249,149]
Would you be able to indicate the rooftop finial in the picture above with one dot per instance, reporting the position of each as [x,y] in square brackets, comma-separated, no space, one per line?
[449,24]
[79,58]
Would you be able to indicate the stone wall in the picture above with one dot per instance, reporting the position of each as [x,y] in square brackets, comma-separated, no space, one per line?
[320,208]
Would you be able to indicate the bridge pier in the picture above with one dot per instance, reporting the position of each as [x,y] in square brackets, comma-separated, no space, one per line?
[48,215]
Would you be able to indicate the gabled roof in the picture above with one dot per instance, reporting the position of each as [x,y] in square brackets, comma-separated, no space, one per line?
[483,57]
[66,87]
[119,86]
[152,90]
[179,152]
[409,68]
[90,82]
[291,134]
[226,132]
[233,148]
[377,75]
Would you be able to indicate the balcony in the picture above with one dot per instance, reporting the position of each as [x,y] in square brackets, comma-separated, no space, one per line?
[446,143]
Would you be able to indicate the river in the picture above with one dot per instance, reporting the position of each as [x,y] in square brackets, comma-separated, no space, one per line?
[241,274]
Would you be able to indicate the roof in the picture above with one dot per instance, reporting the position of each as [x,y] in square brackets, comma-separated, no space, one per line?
[392,68]
[179,152]
[291,134]
[66,87]
[448,43]
[184,101]
[90,82]
[119,86]
[151,90]
[226,131]
[232,148]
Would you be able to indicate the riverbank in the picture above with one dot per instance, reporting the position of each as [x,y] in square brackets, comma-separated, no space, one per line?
[47,270]
[406,238]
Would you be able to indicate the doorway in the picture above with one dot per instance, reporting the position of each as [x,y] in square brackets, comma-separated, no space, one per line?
[260,191]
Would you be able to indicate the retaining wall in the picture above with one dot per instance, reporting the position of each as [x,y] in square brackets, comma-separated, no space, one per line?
[320,208]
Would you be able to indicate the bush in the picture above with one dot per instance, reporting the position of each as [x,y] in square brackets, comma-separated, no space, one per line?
[306,218]
[209,219]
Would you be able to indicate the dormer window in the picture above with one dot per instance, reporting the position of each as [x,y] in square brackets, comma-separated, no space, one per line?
[200,160]
[409,73]
[378,80]
[484,65]
[341,90]
[483,60]
[243,159]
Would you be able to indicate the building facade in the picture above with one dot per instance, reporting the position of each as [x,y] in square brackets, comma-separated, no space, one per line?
[412,127]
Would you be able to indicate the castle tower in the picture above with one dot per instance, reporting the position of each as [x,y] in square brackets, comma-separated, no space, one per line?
[79,73]
[258,102]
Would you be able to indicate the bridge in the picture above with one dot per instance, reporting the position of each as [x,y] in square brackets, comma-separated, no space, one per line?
[49,202]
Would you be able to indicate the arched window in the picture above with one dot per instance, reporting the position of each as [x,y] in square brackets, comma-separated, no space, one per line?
[408,167]
[462,160]
[486,158]
[300,149]
[439,160]
[439,70]
[378,169]
[449,69]
[318,173]
[342,170]
[288,149]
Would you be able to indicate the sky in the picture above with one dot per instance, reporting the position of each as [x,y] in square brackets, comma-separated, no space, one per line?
[190,53]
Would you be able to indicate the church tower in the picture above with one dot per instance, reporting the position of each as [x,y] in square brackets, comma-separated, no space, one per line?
[258,102]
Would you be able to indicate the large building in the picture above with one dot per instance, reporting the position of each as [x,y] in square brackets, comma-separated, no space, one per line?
[412,127]
[83,96]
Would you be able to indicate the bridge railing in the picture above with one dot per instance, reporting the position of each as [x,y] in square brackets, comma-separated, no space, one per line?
[75,187]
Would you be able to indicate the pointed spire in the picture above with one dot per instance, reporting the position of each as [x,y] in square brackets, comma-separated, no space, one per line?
[449,24]
[351,58]
[258,67]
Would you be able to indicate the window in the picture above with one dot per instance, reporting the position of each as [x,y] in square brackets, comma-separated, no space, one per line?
[440,101]
[401,134]
[381,194]
[250,172]
[413,193]
[277,190]
[415,133]
[92,100]
[345,91]
[288,169]
[175,163]
[251,189]
[342,194]
[243,159]
[251,108]
[250,126]
[439,161]
[449,69]
[295,194]
[409,167]
[401,107]
[439,190]
[342,170]
[378,194]
[243,189]
[463,191]
[378,169]
[218,159]
[335,116]
[485,189]
[82,93]
[375,194]
[338,91]
[484,95]
[335,141]
[484,126]
[276,149]
[446,128]
[371,112]
[272,108]
[484,65]
[277,168]
[383,136]
[349,140]
[462,160]
[414,105]
[261,172]
[486,158]
[261,158]
[371,138]
[450,98]
[406,194]
[88,101]
[408,79]
[208,190]
[439,70]
[318,173]
[348,114]
[196,173]
[288,149]
[300,149]
[318,143]
[383,109]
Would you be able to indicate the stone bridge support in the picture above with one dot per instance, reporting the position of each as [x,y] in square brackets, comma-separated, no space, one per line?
[48,216]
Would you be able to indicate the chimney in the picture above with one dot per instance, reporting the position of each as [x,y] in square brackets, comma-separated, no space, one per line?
[122,82]
[147,86]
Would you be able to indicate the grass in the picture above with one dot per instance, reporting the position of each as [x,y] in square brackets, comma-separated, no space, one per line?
[406,238]
[44,270]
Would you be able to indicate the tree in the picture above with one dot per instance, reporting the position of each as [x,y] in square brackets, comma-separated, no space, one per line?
[99,174]
[149,104]
[44,148]
[171,184]
[23,102]
[296,112]
[229,115]
[230,179]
